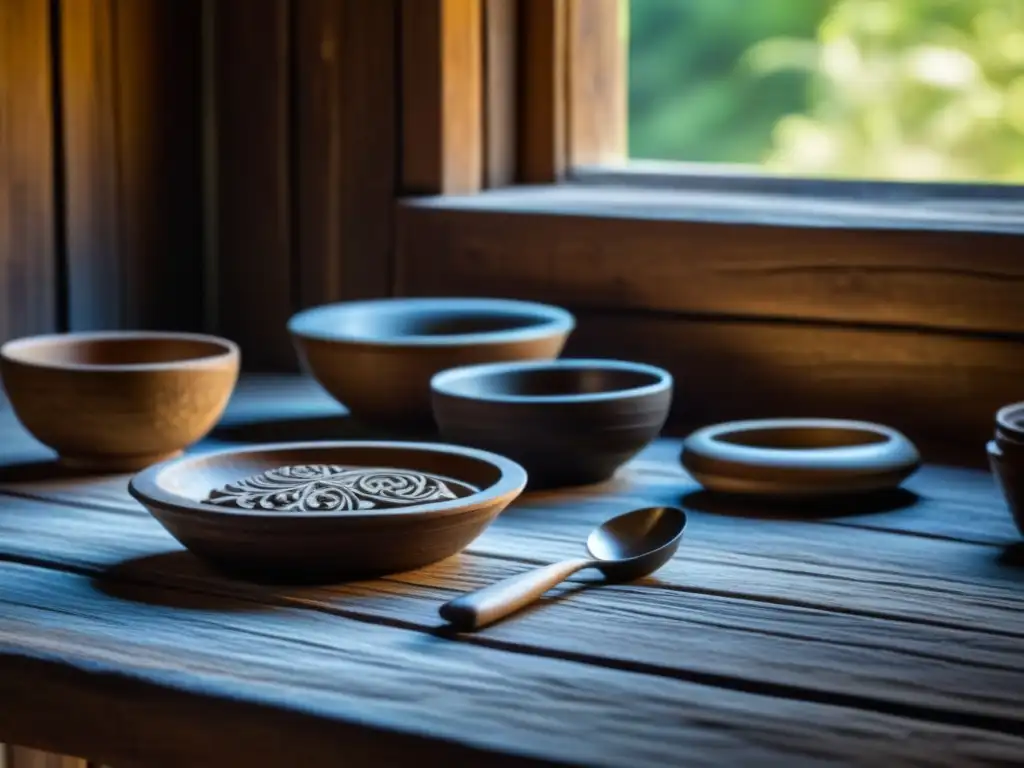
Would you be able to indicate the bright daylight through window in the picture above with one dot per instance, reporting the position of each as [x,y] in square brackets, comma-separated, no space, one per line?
[925,90]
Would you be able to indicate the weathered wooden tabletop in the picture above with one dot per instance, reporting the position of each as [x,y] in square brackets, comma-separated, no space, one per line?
[873,637]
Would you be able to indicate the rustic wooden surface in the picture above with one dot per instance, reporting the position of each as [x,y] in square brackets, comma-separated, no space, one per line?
[543,107]
[891,635]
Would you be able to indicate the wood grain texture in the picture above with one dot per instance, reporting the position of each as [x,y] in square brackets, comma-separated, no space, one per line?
[714,254]
[92,167]
[501,91]
[346,144]
[133,175]
[597,110]
[27,217]
[254,277]
[159,102]
[442,96]
[543,106]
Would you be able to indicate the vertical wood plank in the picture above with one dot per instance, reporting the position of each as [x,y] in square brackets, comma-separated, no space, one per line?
[597,90]
[160,161]
[131,92]
[254,276]
[501,96]
[543,113]
[27,236]
[442,96]
[95,297]
[346,98]
[22,757]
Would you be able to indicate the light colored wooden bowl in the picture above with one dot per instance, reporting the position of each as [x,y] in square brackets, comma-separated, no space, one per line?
[569,422]
[799,458]
[119,401]
[324,546]
[377,357]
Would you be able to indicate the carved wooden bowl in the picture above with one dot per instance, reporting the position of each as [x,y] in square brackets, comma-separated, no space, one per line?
[799,458]
[119,401]
[377,357]
[569,422]
[342,510]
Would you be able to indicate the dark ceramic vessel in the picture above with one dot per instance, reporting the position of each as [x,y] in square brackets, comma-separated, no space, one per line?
[303,546]
[1006,457]
[377,357]
[568,422]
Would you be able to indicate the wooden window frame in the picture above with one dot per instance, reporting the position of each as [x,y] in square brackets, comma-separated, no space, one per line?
[763,296]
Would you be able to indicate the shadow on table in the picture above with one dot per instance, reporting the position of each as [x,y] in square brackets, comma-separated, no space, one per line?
[313,428]
[1012,556]
[42,471]
[178,579]
[818,509]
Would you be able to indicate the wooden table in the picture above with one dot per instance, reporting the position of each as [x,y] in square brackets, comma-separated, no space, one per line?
[872,637]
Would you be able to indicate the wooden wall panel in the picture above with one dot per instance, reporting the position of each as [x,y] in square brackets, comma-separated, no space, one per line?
[21,757]
[346,147]
[942,390]
[254,281]
[501,91]
[442,95]
[543,56]
[130,91]
[28,285]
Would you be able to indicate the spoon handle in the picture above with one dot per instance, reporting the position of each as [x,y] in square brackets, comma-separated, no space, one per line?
[488,605]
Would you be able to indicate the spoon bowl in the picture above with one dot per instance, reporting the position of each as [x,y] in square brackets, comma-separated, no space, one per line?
[624,548]
[636,544]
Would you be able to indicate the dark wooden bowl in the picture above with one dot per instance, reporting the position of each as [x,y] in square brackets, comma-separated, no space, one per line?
[799,458]
[324,546]
[119,401]
[569,422]
[377,357]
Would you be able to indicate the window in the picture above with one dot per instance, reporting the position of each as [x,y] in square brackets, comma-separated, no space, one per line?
[914,90]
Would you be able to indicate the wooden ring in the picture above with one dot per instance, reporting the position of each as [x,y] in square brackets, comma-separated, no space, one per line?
[799,457]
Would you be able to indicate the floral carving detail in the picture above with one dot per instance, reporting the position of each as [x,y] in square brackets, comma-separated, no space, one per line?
[333,488]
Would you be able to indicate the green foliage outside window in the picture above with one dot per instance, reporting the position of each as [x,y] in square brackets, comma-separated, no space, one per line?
[889,89]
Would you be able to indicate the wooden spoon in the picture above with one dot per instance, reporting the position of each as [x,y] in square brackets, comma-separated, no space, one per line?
[625,548]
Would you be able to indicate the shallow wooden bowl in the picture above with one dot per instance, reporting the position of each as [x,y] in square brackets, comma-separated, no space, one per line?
[322,546]
[799,458]
[569,422]
[119,401]
[377,357]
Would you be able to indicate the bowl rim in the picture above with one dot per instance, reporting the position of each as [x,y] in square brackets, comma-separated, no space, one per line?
[145,486]
[892,452]
[441,383]
[552,320]
[1010,419]
[229,350]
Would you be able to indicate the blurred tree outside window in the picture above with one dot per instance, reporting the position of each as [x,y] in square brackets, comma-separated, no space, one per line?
[912,90]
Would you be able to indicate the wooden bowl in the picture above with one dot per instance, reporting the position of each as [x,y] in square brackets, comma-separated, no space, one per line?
[569,422]
[321,546]
[1009,472]
[799,458]
[377,357]
[119,401]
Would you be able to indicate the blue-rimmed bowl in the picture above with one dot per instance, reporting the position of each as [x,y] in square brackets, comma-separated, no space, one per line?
[377,357]
[568,422]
